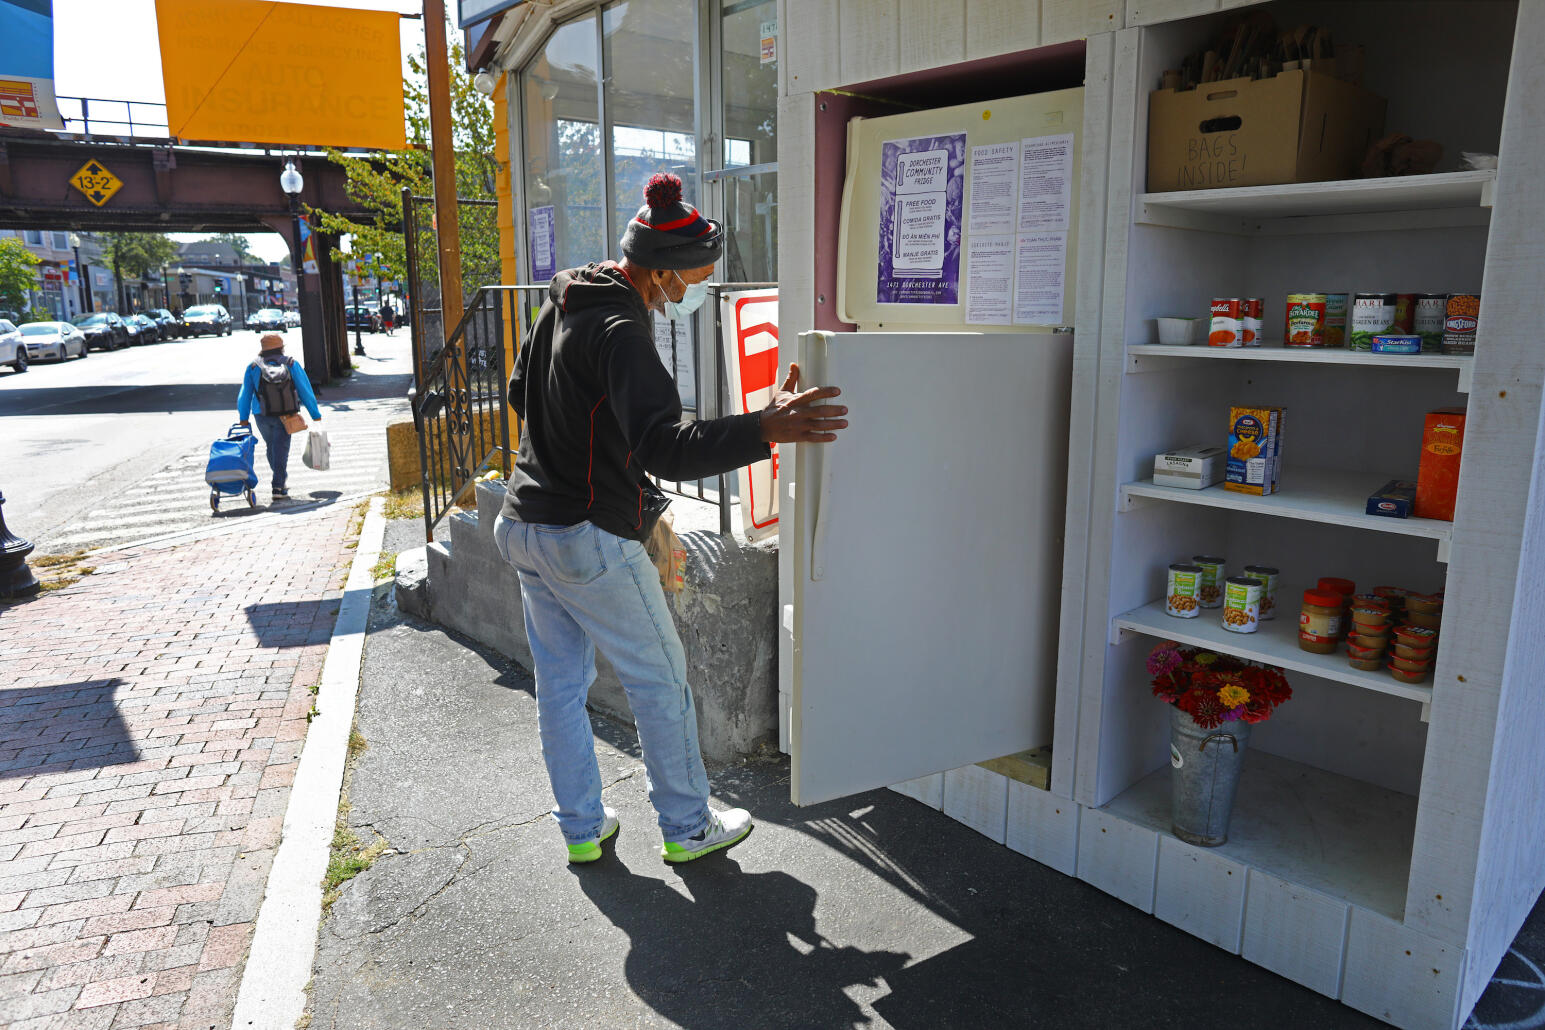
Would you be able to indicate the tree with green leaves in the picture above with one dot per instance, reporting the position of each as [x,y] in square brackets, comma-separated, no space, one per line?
[18,274]
[376,182]
[138,254]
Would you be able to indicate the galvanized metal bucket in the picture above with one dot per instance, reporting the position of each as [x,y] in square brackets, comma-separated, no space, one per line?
[1204,772]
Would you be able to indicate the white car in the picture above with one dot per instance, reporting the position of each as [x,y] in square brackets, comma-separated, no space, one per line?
[292,319]
[12,351]
[57,340]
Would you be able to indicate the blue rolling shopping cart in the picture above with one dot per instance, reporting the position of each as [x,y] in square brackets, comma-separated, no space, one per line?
[230,470]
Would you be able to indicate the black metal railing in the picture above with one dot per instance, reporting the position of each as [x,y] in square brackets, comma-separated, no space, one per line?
[464,430]
[459,405]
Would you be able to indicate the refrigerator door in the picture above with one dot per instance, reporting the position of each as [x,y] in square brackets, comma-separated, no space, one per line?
[927,556]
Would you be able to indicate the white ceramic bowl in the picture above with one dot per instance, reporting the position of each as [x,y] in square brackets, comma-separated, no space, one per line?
[1177,332]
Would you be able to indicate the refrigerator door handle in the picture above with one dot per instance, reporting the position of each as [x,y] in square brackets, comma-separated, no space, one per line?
[823,497]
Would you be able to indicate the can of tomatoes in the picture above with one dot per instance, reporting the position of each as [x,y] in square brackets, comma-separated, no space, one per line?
[1305,322]
[1227,327]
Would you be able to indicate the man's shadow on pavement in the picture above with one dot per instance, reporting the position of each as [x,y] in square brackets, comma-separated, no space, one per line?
[726,956]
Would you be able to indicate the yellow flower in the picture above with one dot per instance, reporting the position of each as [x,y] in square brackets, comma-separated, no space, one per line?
[1206,658]
[1233,696]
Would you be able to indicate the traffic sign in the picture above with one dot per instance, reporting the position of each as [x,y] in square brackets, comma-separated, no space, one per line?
[96,182]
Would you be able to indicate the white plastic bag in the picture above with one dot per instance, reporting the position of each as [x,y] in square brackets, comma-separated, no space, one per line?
[318,453]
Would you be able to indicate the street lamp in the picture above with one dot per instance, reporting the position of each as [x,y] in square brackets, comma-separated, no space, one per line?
[80,274]
[291,183]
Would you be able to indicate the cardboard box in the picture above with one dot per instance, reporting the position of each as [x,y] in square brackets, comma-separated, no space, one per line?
[1190,468]
[1254,450]
[1437,481]
[1392,500]
[1297,126]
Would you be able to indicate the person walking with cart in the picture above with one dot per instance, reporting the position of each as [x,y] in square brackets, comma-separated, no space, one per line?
[600,412]
[277,383]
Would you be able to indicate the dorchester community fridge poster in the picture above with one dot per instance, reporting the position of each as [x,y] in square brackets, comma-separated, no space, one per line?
[922,186]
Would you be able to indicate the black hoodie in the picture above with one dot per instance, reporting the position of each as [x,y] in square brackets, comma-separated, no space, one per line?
[600,410]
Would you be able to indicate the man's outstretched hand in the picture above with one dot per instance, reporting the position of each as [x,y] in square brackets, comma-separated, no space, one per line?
[799,417]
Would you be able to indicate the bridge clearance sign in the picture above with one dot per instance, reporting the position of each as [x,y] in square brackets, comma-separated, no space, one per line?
[96,182]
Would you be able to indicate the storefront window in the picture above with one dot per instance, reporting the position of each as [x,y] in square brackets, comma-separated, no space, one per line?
[650,75]
[565,177]
[750,84]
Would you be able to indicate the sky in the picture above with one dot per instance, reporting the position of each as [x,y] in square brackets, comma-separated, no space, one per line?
[93,41]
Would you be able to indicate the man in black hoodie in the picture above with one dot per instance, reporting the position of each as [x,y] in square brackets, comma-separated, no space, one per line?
[600,412]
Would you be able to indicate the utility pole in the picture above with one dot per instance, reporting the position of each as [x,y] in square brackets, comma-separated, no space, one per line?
[442,146]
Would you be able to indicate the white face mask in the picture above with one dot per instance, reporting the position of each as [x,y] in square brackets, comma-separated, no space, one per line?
[691,300]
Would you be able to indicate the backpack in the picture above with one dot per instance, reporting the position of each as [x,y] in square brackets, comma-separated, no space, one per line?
[276,389]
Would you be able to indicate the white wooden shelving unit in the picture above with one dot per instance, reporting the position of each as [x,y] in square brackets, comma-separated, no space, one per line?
[1364,860]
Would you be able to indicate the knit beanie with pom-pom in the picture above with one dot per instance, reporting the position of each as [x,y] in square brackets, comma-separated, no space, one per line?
[668,233]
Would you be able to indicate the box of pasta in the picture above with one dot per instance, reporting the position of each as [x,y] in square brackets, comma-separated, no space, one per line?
[1254,450]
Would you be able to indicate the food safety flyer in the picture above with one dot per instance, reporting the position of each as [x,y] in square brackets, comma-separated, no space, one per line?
[544,255]
[994,175]
[989,280]
[922,191]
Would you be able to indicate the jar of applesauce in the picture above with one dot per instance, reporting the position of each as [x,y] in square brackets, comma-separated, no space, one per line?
[1319,621]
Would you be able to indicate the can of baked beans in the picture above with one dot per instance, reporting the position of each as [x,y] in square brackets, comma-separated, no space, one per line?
[1227,327]
[1267,577]
[1242,604]
[1182,594]
[1210,591]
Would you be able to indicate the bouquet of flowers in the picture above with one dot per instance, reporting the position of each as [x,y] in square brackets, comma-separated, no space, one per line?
[1215,688]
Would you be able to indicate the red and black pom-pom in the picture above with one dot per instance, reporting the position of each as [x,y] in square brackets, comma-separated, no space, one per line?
[663,190]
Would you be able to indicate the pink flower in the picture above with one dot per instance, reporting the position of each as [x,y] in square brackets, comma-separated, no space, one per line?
[1163,658]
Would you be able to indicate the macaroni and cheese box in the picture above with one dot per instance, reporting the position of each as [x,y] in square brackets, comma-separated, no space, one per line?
[1437,479]
[1190,468]
[1254,450]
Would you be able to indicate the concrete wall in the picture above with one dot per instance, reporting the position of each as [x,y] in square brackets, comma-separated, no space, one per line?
[726,617]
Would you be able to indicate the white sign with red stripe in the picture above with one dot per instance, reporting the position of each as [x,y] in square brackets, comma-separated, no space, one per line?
[750,321]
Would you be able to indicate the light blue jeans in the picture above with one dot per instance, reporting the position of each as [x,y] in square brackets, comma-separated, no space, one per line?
[582,588]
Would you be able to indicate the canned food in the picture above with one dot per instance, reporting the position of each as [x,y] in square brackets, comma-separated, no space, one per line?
[1254,307]
[1227,328]
[1267,576]
[1335,320]
[1405,312]
[1242,604]
[1428,323]
[1182,595]
[1372,313]
[1459,323]
[1305,323]
[1397,343]
[1210,588]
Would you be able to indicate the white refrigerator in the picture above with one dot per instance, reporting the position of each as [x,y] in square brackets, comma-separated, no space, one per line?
[920,604]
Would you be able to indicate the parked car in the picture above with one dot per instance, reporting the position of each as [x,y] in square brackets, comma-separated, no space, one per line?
[12,351]
[357,316]
[132,329]
[104,330]
[207,320]
[56,340]
[292,319]
[268,318]
[171,325]
[149,331]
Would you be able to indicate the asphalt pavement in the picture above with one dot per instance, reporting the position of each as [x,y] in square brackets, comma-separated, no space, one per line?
[110,449]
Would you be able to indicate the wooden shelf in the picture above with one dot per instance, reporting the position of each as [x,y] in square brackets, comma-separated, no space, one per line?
[1158,357]
[1275,643]
[1314,495]
[1337,198]
[1343,837]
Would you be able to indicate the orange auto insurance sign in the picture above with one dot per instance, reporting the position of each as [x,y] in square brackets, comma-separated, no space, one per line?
[750,322]
[259,71]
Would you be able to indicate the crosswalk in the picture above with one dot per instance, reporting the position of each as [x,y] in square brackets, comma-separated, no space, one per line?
[176,498]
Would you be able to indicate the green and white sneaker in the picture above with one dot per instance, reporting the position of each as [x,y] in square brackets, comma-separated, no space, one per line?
[724,830]
[590,850]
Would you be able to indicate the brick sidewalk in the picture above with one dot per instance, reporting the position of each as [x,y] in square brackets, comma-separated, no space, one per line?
[151,719]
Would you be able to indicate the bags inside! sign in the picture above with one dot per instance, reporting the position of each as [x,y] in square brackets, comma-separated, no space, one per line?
[259,71]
